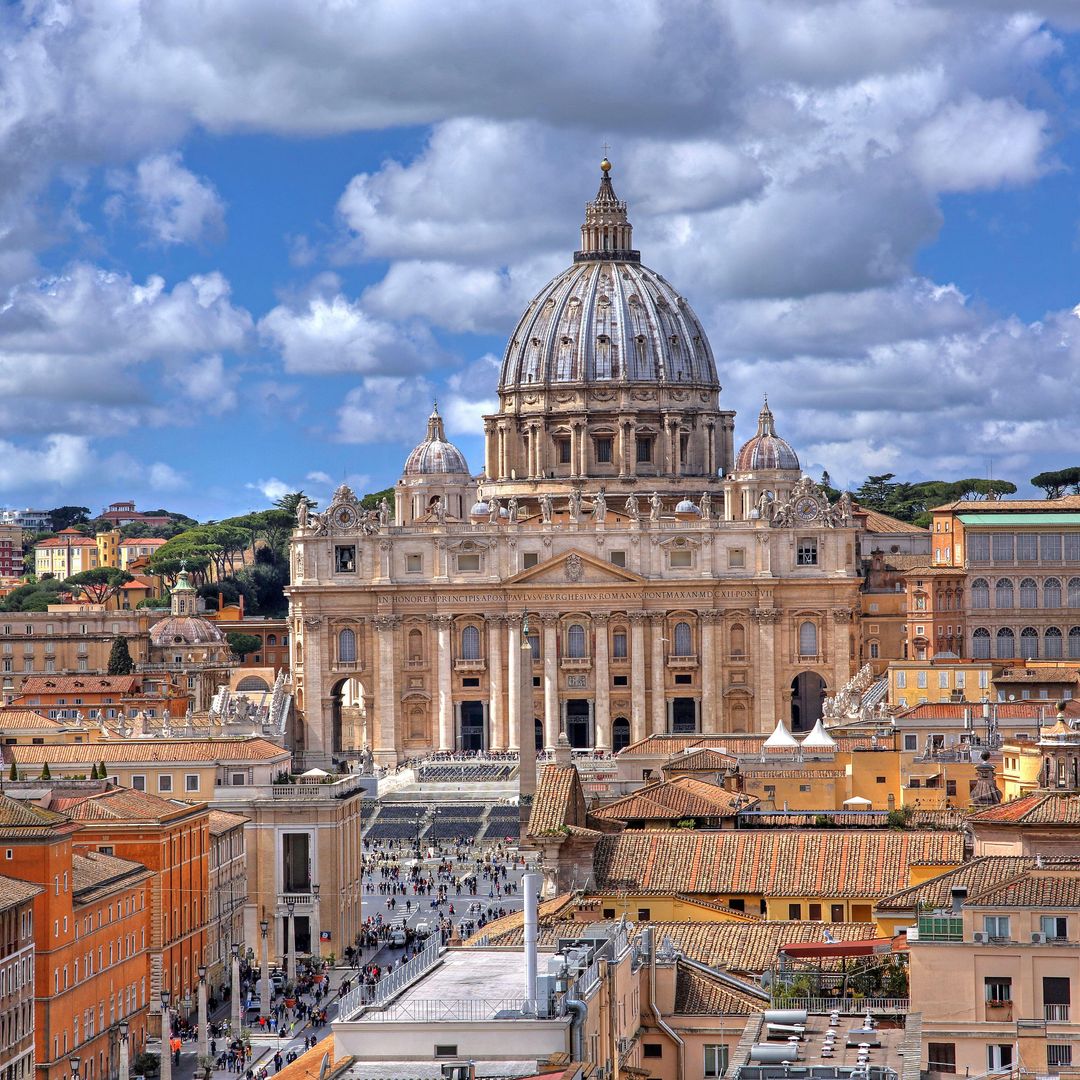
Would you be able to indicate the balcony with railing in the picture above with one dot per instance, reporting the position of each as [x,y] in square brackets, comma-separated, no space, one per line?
[1056,1014]
[324,792]
[690,660]
[575,663]
[477,664]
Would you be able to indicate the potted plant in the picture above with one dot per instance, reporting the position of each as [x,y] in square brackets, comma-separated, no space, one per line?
[290,995]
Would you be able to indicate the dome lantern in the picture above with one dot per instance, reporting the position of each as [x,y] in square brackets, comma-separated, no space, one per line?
[607,233]
[766,450]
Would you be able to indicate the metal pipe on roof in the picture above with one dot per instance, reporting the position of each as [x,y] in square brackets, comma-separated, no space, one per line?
[530,883]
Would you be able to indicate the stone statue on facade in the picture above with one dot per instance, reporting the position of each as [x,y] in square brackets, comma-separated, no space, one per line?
[843,509]
[303,507]
[765,507]
[494,506]
[705,506]
[656,506]
[512,510]
[547,508]
[573,505]
[384,511]
[599,507]
[440,510]
[367,762]
[633,511]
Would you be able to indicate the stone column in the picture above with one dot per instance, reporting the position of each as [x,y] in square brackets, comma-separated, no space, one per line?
[490,459]
[496,712]
[710,451]
[637,675]
[622,447]
[659,696]
[768,627]
[318,719]
[513,681]
[710,700]
[550,621]
[583,449]
[444,681]
[386,688]
[602,714]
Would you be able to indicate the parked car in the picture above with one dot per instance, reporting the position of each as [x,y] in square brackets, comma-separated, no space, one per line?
[422,929]
[398,937]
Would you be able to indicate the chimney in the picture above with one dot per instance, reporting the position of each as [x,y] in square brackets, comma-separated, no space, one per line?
[530,883]
[957,894]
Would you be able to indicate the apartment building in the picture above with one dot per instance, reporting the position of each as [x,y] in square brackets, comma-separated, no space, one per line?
[68,552]
[17,978]
[228,894]
[131,550]
[11,551]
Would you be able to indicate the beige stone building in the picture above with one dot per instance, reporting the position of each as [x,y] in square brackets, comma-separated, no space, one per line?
[228,894]
[669,584]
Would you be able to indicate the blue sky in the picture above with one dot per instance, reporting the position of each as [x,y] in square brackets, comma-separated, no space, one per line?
[241,248]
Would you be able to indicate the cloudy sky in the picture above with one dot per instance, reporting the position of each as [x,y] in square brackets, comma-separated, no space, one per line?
[244,243]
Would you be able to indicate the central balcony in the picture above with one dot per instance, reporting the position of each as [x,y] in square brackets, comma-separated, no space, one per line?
[470,665]
[575,663]
[690,661]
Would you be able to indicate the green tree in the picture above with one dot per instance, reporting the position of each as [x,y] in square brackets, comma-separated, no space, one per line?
[288,502]
[876,492]
[45,774]
[242,644]
[13,774]
[371,501]
[63,517]
[101,584]
[120,662]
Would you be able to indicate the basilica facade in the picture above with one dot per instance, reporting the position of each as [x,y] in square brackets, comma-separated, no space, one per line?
[615,551]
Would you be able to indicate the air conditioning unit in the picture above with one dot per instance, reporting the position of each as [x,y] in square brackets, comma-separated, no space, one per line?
[980,938]
[1038,939]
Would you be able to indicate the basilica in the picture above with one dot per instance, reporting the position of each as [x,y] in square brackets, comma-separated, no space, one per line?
[614,552]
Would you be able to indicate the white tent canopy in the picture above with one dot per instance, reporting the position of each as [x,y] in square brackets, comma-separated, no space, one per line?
[781,739]
[819,739]
[314,774]
[857,802]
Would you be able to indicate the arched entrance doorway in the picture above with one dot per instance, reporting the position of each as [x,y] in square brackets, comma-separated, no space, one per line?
[471,726]
[577,723]
[348,716]
[620,734]
[807,697]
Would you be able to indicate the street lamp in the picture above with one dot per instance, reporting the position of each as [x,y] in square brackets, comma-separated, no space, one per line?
[204,1030]
[123,1050]
[264,996]
[290,941]
[166,1036]
[235,989]
[73,1063]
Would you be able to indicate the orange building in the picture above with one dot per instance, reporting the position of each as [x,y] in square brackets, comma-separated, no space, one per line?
[172,839]
[60,697]
[91,942]
[17,977]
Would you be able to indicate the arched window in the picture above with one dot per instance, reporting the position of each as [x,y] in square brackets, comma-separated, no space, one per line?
[684,640]
[470,643]
[1029,593]
[416,645]
[575,641]
[1052,643]
[738,640]
[346,646]
[1074,643]
[271,639]
[807,639]
[1074,592]
[980,593]
[1003,593]
[1029,643]
[980,644]
[618,644]
[1006,643]
[620,733]
[1052,592]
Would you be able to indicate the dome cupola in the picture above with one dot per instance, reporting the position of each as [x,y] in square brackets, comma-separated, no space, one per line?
[766,450]
[436,454]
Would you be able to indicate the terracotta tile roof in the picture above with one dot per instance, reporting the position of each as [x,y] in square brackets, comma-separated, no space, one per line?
[16,815]
[705,760]
[1038,808]
[895,560]
[921,570]
[91,684]
[1046,887]
[771,863]
[557,790]
[221,822]
[95,874]
[148,751]
[1039,675]
[766,773]
[510,929]
[978,875]
[14,718]
[867,819]
[670,745]
[123,804]
[14,892]
[751,948]
[683,797]
[1001,506]
[704,993]
[67,541]
[1005,710]
[877,522]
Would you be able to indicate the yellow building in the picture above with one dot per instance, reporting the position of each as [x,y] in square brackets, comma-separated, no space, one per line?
[916,682]
[108,546]
[67,553]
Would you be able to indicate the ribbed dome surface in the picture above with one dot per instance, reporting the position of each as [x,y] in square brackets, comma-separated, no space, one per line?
[185,630]
[615,322]
[435,454]
[766,450]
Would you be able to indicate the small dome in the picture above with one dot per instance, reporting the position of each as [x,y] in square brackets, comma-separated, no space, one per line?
[479,509]
[435,455]
[185,630]
[688,507]
[766,450]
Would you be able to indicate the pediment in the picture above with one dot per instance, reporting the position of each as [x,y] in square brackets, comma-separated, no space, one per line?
[576,567]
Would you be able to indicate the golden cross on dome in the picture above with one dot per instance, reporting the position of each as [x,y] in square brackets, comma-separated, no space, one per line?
[605,148]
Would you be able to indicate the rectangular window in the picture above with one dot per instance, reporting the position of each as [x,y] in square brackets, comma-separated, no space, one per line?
[164,782]
[563,446]
[529,559]
[644,914]
[138,783]
[1058,1054]
[1001,545]
[813,912]
[1050,547]
[1055,927]
[1027,547]
[680,559]
[644,449]
[345,559]
[414,564]
[620,680]
[943,680]
[941,1057]
[618,645]
[901,679]
[997,926]
[1072,547]
[984,680]
[736,559]
[997,989]
[444,1050]
[950,788]
[652,1050]
[716,1059]
[961,678]
[794,912]
[191,782]
[617,558]
[920,680]
[603,451]
[468,563]
[836,912]
[806,552]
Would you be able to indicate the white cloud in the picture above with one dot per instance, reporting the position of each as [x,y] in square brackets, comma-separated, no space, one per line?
[318,477]
[385,409]
[207,383]
[165,478]
[174,205]
[271,489]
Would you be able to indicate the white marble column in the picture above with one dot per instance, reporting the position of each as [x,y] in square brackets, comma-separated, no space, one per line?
[711,719]
[659,695]
[551,679]
[637,675]
[386,691]
[496,711]
[444,682]
[767,621]
[513,681]
[602,712]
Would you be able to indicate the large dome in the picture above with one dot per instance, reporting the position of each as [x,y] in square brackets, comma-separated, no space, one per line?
[185,630]
[608,319]
[766,450]
[435,455]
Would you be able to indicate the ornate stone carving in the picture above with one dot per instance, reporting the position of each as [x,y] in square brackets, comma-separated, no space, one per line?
[386,622]
[513,620]
[549,618]
[710,615]
[495,620]
[656,506]
[842,615]
[312,621]
[633,509]
[599,509]
[573,567]
[601,618]
[441,619]
[765,615]
[637,616]
[573,505]
[386,545]
[546,508]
